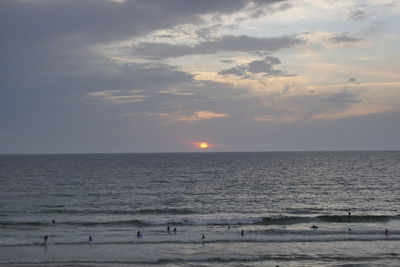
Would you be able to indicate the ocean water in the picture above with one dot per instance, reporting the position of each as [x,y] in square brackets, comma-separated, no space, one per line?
[274,198]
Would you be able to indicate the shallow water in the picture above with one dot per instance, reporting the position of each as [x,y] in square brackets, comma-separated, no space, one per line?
[274,198]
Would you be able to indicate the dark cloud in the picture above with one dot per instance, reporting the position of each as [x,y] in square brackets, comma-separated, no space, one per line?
[265,66]
[343,38]
[238,71]
[344,97]
[101,20]
[357,14]
[242,43]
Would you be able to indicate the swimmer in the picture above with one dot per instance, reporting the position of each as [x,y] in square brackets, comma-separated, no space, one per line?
[349,229]
[45,240]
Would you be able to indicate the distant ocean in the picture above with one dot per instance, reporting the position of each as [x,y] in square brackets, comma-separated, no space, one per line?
[229,209]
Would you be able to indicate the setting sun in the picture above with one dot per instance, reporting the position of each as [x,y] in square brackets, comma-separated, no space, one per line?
[203,145]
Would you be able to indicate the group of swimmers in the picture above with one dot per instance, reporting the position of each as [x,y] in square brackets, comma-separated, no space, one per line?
[139,234]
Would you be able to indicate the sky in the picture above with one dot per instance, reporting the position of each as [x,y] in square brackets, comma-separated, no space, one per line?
[102,76]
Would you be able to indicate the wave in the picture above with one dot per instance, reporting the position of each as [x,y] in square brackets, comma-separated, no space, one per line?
[328,218]
[171,211]
[271,220]
[251,239]
[303,239]
[357,218]
[77,223]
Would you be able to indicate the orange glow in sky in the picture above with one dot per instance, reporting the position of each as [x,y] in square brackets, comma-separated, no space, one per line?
[202,145]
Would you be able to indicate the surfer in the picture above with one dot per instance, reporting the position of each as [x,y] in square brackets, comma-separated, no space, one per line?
[386,232]
[174,229]
[53,221]
[168,228]
[90,238]
[138,234]
[349,213]
[202,236]
[242,233]
[229,227]
[314,226]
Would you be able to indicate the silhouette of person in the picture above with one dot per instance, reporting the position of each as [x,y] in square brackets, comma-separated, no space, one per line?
[90,238]
[242,233]
[229,227]
[168,228]
[202,236]
[53,221]
[138,234]
[45,240]
[349,213]
[174,229]
[386,232]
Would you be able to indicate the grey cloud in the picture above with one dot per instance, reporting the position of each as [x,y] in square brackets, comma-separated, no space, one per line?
[344,97]
[101,20]
[357,14]
[242,43]
[238,71]
[229,61]
[343,38]
[265,66]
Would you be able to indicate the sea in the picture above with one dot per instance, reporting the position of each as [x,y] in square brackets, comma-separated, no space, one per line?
[221,209]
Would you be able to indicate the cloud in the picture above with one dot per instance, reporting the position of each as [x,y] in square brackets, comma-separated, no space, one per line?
[265,67]
[357,14]
[344,97]
[343,38]
[230,43]
[118,96]
[203,115]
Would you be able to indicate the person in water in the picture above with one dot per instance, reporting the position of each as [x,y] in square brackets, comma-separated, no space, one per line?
[90,238]
[174,229]
[45,240]
[53,221]
[202,236]
[349,213]
[386,232]
[242,233]
[138,234]
[314,226]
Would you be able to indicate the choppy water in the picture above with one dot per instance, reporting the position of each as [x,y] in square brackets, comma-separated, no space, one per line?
[274,198]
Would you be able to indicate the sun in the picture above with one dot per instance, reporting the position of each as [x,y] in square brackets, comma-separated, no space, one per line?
[203,145]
